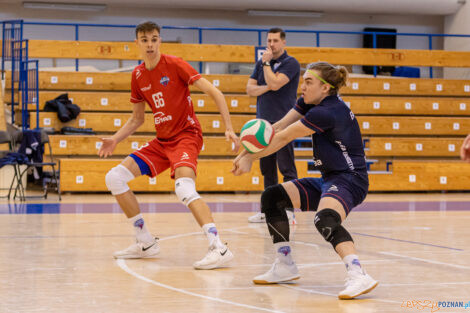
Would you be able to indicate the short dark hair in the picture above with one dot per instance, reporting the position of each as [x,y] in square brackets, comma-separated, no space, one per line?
[146,27]
[276,30]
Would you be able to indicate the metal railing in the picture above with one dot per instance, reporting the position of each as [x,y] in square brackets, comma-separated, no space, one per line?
[24,72]
[12,32]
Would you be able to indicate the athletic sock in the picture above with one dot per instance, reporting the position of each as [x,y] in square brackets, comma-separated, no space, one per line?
[212,235]
[283,252]
[352,263]
[141,232]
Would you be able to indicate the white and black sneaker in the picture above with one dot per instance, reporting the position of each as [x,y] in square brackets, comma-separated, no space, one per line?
[257,218]
[139,250]
[215,258]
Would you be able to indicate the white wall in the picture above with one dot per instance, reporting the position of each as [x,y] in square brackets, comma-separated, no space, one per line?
[458,23]
[238,19]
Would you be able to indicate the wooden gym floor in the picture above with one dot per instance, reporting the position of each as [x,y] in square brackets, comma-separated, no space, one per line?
[57,257]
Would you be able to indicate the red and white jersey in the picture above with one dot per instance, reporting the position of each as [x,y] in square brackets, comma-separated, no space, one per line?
[166,89]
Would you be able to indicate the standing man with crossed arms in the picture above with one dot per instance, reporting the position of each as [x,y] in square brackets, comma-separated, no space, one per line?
[274,82]
[162,82]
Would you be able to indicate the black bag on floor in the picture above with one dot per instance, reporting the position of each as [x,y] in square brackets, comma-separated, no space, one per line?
[77,131]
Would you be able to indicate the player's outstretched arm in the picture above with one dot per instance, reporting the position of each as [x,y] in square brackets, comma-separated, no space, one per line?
[205,86]
[243,164]
[465,150]
[291,117]
[137,119]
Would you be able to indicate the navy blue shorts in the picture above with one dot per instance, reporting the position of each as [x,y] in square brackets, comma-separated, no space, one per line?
[349,189]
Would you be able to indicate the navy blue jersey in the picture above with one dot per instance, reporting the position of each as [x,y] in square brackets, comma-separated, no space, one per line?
[337,141]
[273,105]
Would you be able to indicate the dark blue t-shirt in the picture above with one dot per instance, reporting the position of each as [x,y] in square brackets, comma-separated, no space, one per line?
[337,142]
[273,105]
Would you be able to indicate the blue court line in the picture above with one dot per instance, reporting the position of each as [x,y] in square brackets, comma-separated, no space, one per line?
[408,241]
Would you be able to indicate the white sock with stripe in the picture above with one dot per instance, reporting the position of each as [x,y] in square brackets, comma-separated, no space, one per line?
[141,232]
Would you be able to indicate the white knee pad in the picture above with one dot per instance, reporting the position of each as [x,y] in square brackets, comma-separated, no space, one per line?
[185,189]
[117,179]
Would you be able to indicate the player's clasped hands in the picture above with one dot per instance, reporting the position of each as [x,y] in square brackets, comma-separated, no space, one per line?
[242,164]
[107,147]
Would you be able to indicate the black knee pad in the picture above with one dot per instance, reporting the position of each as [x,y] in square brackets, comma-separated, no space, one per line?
[275,201]
[328,223]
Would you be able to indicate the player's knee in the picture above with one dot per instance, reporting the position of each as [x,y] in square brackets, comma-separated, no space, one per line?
[117,179]
[185,189]
[274,202]
[328,224]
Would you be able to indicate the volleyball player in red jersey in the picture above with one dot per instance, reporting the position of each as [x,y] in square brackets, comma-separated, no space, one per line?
[162,82]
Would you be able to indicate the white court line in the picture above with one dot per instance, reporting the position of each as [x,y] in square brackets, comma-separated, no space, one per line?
[332,294]
[180,235]
[342,263]
[426,260]
[293,241]
[199,233]
[122,264]
[396,285]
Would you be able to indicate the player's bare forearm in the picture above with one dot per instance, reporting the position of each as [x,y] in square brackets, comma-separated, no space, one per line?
[205,86]
[128,129]
[291,117]
[282,138]
[136,120]
[223,109]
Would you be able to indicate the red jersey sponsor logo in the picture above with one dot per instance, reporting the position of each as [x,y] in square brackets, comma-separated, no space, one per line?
[160,117]
[146,88]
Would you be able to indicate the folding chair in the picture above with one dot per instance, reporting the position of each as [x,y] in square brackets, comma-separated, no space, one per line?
[47,178]
[6,138]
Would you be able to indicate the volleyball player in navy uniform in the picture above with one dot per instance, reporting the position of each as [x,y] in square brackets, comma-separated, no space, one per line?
[339,155]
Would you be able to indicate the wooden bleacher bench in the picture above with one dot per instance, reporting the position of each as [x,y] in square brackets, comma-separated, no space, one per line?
[414,175]
[214,175]
[83,145]
[389,110]
[211,123]
[111,122]
[383,105]
[119,101]
[413,147]
[414,125]
[127,50]
[92,81]
[239,103]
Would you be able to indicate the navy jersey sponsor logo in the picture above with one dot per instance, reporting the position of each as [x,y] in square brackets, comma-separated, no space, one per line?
[317,162]
[333,188]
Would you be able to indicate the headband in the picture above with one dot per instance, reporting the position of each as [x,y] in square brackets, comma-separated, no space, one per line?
[321,79]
